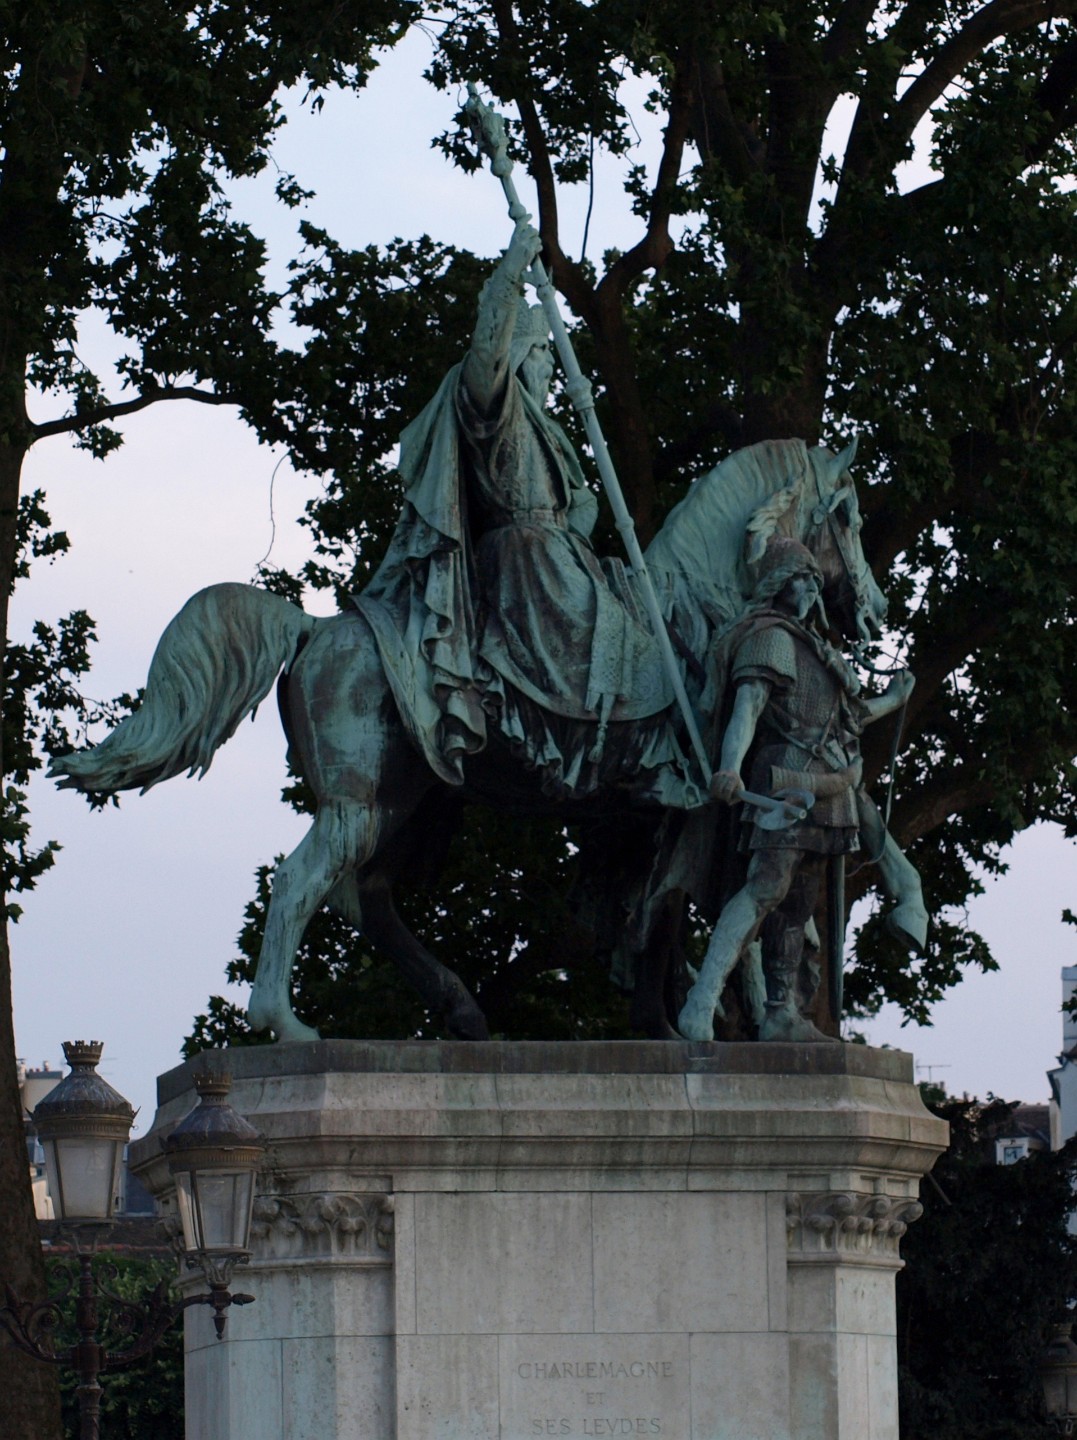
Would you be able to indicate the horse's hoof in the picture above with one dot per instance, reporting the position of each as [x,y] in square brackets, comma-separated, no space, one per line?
[696,1021]
[465,1021]
[285,1025]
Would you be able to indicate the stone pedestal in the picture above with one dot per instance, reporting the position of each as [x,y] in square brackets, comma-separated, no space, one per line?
[509,1241]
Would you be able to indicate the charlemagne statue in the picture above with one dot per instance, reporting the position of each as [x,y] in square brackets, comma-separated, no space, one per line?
[491,607]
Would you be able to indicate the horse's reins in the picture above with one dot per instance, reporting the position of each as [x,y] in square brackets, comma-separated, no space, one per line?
[862,660]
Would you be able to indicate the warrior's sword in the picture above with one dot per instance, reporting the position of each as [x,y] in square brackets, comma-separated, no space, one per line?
[488,129]
[779,811]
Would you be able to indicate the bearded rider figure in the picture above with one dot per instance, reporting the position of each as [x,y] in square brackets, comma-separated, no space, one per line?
[491,608]
[799,713]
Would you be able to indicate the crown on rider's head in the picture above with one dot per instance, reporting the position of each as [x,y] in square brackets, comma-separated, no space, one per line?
[531,328]
[531,323]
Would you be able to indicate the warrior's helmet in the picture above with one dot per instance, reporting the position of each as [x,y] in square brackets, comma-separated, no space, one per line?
[783,558]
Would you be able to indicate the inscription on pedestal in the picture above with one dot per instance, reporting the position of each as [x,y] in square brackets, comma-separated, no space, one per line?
[594,1385]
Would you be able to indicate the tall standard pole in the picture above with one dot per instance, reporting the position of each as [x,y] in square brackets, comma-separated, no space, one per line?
[489,131]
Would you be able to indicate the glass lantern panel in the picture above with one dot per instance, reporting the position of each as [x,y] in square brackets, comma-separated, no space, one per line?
[215,1207]
[82,1173]
[188,1213]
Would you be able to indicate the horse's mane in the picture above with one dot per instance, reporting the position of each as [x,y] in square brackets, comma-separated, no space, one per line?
[703,538]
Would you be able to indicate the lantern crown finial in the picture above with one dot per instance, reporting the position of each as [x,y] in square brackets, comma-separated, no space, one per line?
[84,1098]
[212,1085]
[80,1053]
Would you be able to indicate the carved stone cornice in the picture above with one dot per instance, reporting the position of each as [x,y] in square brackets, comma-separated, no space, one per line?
[329,1225]
[842,1227]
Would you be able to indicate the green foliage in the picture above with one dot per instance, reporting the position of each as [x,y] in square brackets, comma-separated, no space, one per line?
[44,710]
[117,165]
[144,1401]
[767,285]
[936,318]
[988,1267]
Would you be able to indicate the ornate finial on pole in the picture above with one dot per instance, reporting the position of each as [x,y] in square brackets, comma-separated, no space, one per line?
[488,129]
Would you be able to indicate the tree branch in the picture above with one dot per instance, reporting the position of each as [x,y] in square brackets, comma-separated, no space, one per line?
[925,811]
[651,252]
[85,420]
[715,129]
[883,125]
[944,654]
[849,28]
[1056,97]
[569,277]
[999,17]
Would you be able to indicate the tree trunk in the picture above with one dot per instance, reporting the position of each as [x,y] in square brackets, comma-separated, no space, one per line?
[29,1390]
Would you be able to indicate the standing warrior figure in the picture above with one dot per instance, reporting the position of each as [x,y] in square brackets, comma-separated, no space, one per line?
[798,703]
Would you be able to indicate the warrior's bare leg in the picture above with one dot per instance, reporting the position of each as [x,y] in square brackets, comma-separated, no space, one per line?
[783,953]
[770,875]
[908,920]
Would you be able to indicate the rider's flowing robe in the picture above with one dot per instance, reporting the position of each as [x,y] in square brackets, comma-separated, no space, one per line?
[490,606]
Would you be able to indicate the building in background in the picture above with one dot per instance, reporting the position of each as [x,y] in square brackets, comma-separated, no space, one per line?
[34,1085]
[1027,1130]
[1063,1080]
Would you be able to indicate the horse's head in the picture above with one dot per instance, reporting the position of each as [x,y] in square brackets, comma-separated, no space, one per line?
[818,506]
[832,533]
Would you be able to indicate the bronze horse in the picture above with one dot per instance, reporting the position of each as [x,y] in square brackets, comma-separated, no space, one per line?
[222,653]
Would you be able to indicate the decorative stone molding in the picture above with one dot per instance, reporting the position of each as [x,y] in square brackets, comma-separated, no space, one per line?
[843,1227]
[328,1226]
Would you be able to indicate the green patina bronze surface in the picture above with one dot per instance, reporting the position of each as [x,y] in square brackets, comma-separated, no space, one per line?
[494,654]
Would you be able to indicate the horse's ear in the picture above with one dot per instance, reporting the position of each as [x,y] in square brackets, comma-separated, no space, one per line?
[838,496]
[841,463]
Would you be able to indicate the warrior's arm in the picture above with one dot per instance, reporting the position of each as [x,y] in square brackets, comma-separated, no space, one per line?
[486,369]
[752,697]
[892,698]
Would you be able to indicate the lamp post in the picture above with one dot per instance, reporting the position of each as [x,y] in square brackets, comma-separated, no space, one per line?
[213,1155]
[1058,1374]
[83,1125]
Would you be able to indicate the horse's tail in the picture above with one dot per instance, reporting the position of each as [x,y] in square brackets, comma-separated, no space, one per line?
[213,665]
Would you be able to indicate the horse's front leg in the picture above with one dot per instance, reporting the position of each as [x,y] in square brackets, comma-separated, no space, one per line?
[342,837]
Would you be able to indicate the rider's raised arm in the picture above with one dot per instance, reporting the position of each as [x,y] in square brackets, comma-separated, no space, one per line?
[486,368]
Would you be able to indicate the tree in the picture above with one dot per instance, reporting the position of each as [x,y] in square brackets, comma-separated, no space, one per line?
[778,283]
[937,321]
[991,1264]
[120,125]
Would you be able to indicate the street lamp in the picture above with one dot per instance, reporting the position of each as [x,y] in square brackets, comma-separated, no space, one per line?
[214,1154]
[83,1125]
[1058,1374]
